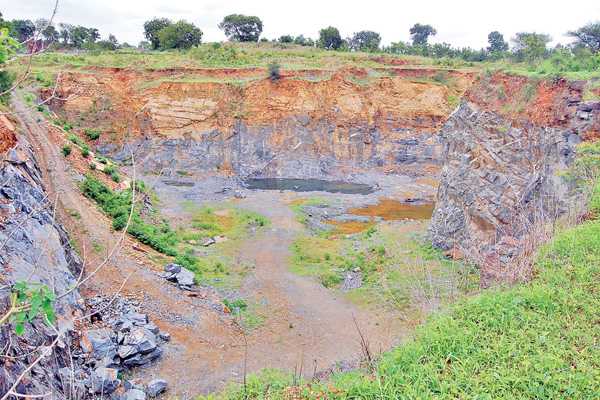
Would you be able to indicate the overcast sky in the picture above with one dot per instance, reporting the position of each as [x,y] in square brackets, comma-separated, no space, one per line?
[459,22]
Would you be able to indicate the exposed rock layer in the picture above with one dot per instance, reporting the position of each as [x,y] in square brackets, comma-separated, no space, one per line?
[34,248]
[300,126]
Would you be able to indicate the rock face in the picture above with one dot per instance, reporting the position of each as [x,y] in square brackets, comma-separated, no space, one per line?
[295,128]
[500,181]
[34,248]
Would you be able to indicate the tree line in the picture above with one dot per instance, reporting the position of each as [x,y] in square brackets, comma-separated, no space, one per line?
[43,34]
[163,33]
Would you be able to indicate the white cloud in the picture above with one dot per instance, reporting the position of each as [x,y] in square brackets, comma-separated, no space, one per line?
[459,22]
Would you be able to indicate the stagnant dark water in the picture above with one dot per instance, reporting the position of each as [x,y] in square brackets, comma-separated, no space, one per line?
[308,185]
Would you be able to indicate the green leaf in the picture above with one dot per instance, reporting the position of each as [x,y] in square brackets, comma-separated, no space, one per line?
[19,328]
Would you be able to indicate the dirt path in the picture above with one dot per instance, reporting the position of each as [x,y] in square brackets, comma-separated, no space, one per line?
[307,324]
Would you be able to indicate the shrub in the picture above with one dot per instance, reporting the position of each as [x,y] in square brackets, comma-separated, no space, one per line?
[66,150]
[75,140]
[92,134]
[117,205]
[110,169]
[92,166]
[115,177]
[274,71]
[85,152]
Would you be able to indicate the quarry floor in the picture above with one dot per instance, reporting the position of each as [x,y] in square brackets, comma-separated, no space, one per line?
[307,328]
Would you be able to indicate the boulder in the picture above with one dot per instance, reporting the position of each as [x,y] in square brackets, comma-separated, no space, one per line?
[136,319]
[104,380]
[99,343]
[172,268]
[165,336]
[156,387]
[141,339]
[127,351]
[208,242]
[142,359]
[134,394]
[352,280]
[185,278]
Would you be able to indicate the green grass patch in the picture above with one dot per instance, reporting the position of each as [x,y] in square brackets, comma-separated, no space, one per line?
[397,269]
[298,205]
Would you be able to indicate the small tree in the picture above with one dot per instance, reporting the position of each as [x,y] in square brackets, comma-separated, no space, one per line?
[530,46]
[420,33]
[365,41]
[242,28]
[302,41]
[65,33]
[180,35]
[497,43]
[286,39]
[113,39]
[151,29]
[22,29]
[330,39]
[80,36]
[588,36]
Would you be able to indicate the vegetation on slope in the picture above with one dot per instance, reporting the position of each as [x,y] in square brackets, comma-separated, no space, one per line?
[157,233]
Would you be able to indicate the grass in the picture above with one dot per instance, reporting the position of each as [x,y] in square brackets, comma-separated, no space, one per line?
[297,206]
[216,55]
[397,268]
[533,341]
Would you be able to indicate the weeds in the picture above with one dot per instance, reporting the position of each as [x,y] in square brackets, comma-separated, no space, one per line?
[66,150]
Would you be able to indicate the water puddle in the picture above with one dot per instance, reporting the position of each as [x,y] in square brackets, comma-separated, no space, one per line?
[391,210]
[308,185]
[386,209]
[177,183]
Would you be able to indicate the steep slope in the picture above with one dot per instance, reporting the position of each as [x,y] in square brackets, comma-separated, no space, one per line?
[306,124]
[505,148]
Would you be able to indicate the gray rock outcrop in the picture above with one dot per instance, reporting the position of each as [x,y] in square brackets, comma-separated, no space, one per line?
[499,184]
[35,248]
[156,387]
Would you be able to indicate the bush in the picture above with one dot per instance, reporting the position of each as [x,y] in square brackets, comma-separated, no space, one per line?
[92,134]
[117,205]
[85,152]
[110,169]
[75,140]
[92,166]
[66,150]
[274,71]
